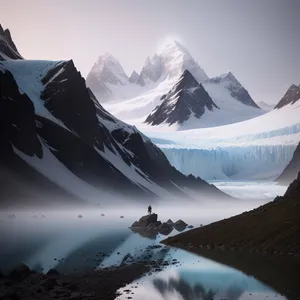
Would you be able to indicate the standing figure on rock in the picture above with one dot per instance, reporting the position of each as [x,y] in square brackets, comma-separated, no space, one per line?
[149,209]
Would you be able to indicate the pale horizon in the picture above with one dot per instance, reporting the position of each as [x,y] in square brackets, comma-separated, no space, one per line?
[258,41]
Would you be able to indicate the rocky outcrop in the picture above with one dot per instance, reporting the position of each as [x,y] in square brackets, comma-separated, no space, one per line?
[150,222]
[180,225]
[145,221]
[25,284]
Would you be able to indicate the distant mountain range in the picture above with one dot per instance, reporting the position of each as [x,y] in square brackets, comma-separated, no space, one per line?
[265,106]
[59,145]
[140,96]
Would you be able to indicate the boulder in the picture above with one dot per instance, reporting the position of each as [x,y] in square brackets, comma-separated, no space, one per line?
[154,226]
[135,224]
[121,217]
[180,225]
[145,221]
[190,226]
[80,216]
[170,222]
[165,228]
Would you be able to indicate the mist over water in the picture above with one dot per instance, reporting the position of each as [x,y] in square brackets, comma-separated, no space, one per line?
[84,239]
[38,237]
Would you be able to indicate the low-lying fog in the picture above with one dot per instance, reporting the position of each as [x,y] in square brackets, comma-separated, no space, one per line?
[43,239]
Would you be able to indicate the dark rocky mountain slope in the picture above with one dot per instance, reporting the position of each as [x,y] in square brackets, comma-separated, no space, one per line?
[186,99]
[290,97]
[272,228]
[54,130]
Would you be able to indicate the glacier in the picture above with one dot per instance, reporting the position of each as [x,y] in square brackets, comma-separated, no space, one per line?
[256,149]
[262,162]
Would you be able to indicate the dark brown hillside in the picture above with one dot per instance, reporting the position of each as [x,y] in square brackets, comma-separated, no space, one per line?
[271,228]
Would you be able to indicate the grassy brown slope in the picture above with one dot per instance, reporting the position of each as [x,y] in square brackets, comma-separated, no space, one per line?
[271,228]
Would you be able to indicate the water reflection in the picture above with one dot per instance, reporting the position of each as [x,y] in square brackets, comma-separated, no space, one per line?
[183,288]
[205,280]
[71,244]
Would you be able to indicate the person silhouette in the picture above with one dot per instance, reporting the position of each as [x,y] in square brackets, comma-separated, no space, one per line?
[149,209]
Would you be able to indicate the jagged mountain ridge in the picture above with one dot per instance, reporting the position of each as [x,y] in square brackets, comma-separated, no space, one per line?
[55,127]
[237,91]
[105,72]
[171,62]
[134,77]
[186,99]
[7,47]
[291,96]
[134,102]
[226,101]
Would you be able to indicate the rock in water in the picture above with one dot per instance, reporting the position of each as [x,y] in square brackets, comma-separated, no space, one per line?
[170,222]
[165,228]
[180,225]
[154,226]
[135,224]
[80,216]
[145,221]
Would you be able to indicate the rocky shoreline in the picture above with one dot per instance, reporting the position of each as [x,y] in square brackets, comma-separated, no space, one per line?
[150,223]
[22,283]
[273,228]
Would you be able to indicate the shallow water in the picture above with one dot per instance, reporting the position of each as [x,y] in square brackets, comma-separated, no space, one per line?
[70,244]
[251,190]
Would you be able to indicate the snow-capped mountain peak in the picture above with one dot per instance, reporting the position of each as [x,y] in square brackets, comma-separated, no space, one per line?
[237,91]
[186,99]
[107,71]
[170,62]
[226,77]
[291,96]
[151,70]
[108,63]
[134,77]
[172,47]
[176,59]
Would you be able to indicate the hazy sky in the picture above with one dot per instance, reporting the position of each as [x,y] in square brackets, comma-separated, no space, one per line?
[258,40]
